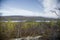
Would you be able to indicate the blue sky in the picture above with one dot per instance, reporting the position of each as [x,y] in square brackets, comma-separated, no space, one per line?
[32,5]
[28,8]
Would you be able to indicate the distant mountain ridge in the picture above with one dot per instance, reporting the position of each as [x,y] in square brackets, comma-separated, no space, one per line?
[29,18]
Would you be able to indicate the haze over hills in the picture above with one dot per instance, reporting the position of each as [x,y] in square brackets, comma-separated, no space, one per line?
[28,18]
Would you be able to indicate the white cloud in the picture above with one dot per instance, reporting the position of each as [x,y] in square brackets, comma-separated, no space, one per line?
[14,11]
[50,5]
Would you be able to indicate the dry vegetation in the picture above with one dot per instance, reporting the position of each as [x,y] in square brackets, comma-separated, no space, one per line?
[23,29]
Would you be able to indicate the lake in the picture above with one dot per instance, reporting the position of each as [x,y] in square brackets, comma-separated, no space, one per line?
[26,21]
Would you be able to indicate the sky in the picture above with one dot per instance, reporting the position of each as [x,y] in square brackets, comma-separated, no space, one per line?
[42,8]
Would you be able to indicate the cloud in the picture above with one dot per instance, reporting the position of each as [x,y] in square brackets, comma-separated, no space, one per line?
[48,6]
[14,11]
[21,12]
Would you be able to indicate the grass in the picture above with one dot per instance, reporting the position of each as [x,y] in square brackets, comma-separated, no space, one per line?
[23,29]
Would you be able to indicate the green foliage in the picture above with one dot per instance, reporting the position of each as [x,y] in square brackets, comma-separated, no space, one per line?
[52,23]
[27,25]
[21,29]
[58,22]
[10,25]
